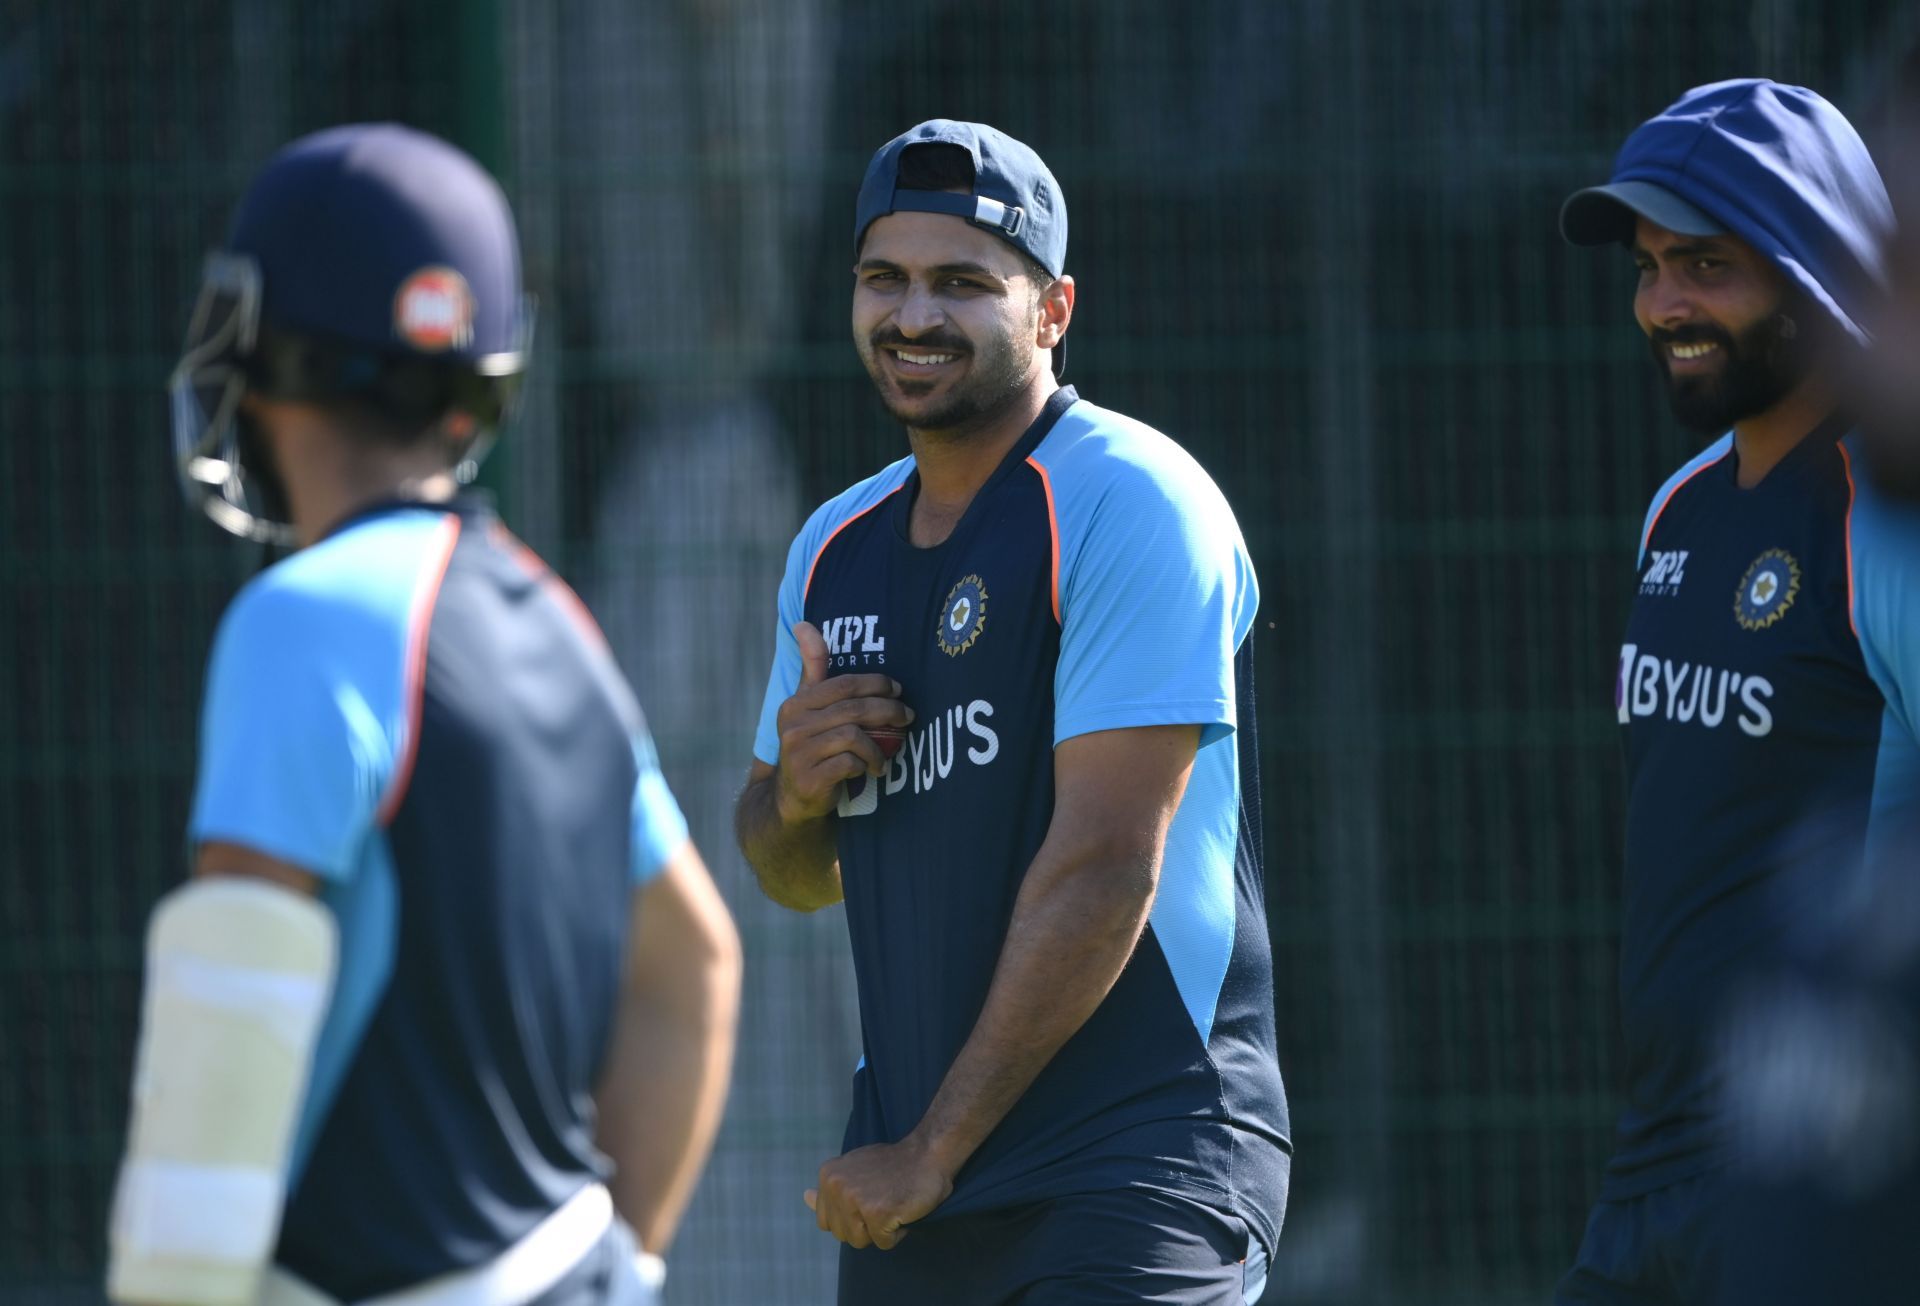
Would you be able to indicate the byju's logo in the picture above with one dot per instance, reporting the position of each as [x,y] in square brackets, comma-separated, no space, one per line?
[853,641]
[1649,687]
[1665,573]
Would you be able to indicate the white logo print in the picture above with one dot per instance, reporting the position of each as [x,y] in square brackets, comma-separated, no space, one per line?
[928,758]
[1652,686]
[1665,574]
[851,641]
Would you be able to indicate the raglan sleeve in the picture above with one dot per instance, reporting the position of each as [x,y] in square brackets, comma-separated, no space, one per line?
[297,733]
[659,828]
[1884,547]
[1157,594]
[784,677]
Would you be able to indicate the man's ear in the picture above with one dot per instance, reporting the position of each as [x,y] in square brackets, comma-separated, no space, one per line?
[1056,311]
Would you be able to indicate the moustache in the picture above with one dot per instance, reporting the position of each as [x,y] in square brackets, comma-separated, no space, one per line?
[934,344]
[1691,335]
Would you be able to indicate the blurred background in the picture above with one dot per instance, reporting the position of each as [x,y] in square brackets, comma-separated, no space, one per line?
[1315,242]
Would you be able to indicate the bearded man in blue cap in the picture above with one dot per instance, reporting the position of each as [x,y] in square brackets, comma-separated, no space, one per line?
[1010,722]
[1757,669]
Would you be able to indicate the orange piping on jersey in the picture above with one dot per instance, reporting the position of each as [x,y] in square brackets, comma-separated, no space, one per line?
[1847,462]
[415,688]
[1647,539]
[536,567]
[1053,531]
[814,565]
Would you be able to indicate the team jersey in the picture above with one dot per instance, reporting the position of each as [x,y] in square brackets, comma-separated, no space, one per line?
[1752,728]
[416,711]
[1096,581]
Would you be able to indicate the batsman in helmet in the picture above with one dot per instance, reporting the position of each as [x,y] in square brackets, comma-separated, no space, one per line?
[446,1008]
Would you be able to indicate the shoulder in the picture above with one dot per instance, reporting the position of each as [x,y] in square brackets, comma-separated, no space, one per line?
[1883,542]
[827,520]
[1099,463]
[352,593]
[1706,458]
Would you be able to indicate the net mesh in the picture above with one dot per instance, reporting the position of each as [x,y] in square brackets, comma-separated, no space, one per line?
[1315,242]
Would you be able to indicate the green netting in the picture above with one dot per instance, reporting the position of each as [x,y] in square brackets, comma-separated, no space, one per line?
[1315,241]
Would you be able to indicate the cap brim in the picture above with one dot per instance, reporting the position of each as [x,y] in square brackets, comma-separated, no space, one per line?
[1605,215]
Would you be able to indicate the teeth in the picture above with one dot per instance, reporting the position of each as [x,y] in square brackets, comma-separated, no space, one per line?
[924,360]
[1693,351]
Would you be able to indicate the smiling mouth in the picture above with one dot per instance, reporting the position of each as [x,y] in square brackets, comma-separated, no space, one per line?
[911,360]
[1687,353]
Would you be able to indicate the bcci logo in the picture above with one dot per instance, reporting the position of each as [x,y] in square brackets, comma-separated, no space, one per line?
[1767,590]
[962,617]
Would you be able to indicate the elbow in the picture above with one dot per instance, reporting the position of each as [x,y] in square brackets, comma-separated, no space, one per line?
[1122,866]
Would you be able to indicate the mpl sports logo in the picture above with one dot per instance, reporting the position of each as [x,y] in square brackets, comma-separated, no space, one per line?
[1652,687]
[854,641]
[1664,573]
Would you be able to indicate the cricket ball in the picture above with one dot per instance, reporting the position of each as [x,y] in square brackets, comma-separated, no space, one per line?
[890,738]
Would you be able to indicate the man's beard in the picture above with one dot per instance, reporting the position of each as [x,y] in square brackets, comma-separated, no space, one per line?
[1763,365]
[993,379]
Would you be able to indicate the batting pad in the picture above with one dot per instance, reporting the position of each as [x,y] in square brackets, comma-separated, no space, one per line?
[238,975]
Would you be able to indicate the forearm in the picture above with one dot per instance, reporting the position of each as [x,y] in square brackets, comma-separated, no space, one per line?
[661,1098]
[1075,924]
[797,864]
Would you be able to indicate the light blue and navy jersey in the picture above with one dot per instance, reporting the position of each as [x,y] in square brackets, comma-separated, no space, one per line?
[1752,728]
[1886,612]
[419,713]
[1097,581]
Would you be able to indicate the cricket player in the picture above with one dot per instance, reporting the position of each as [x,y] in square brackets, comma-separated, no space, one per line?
[1069,1092]
[1747,682]
[445,1012]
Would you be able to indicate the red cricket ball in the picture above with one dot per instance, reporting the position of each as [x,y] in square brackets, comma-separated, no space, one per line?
[890,738]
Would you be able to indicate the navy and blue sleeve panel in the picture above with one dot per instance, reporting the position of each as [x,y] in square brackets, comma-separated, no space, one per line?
[1883,549]
[1141,534]
[313,694]
[312,709]
[1699,463]
[827,521]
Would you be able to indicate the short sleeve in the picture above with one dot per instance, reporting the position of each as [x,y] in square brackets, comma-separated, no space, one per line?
[659,829]
[295,748]
[1884,553]
[790,606]
[1156,595]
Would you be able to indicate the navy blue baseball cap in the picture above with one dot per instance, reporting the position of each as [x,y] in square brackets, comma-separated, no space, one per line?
[388,238]
[1014,195]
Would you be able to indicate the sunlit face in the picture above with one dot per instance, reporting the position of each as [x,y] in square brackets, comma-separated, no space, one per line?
[947,319]
[1728,332]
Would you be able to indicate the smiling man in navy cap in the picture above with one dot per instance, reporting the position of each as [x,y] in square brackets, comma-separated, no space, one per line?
[1010,721]
[1758,663]
[449,989]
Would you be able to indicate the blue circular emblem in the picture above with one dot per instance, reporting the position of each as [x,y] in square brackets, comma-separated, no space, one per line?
[962,616]
[1767,590]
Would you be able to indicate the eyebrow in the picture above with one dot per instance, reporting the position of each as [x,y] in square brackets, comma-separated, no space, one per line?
[941,270]
[1687,249]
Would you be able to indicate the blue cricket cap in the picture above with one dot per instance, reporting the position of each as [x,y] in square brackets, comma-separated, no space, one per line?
[1014,195]
[1775,165]
[384,237]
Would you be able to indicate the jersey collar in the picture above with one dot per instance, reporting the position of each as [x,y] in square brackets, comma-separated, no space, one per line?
[1056,406]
